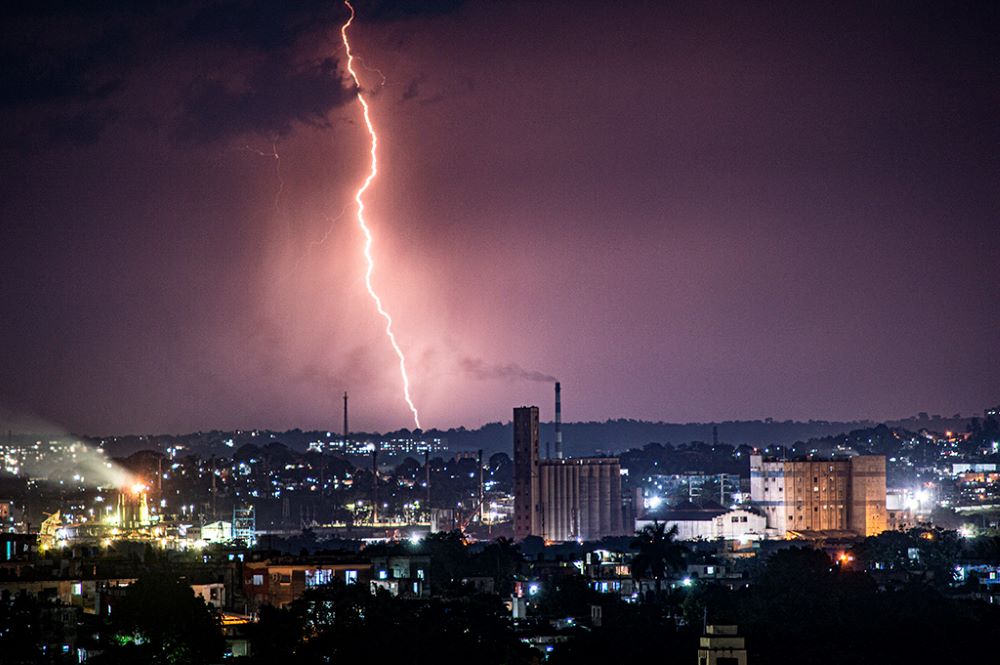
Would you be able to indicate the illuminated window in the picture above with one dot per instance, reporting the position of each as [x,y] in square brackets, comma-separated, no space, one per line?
[318,577]
[78,589]
[258,580]
[351,576]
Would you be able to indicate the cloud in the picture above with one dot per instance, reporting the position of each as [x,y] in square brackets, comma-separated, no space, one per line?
[57,90]
[402,10]
[262,25]
[68,70]
[275,96]
[480,369]
[84,128]
[412,89]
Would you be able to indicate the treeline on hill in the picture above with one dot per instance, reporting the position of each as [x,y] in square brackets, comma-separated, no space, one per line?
[581,438]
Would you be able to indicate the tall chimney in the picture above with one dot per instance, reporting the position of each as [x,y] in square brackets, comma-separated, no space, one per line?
[559,450]
[346,431]
[375,482]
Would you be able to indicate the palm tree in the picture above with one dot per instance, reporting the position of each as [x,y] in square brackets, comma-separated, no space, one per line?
[508,557]
[658,552]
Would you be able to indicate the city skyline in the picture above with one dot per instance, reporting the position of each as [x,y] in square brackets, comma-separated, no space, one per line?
[736,213]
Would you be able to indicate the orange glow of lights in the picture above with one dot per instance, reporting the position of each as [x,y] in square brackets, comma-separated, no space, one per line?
[359,200]
[138,488]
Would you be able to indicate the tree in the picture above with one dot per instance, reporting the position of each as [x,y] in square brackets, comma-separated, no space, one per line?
[160,620]
[501,559]
[658,551]
[347,624]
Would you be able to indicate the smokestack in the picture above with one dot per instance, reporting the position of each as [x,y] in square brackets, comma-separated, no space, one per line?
[375,483]
[346,430]
[559,450]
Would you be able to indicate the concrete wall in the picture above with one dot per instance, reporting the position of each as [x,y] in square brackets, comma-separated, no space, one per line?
[868,513]
[526,508]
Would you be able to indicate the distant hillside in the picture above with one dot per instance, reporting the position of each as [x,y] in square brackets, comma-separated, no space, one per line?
[612,436]
[619,435]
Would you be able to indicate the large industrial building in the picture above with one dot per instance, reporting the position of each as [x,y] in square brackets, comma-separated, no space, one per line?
[808,497]
[561,499]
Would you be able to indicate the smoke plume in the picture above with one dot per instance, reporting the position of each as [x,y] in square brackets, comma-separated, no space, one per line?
[55,455]
[480,369]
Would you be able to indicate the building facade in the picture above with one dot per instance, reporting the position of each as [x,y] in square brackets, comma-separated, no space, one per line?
[820,495]
[525,471]
[279,583]
[580,498]
[722,645]
[699,523]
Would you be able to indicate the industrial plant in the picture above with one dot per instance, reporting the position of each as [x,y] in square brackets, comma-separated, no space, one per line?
[562,499]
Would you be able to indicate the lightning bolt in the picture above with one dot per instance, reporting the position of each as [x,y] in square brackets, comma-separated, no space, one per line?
[359,200]
[277,169]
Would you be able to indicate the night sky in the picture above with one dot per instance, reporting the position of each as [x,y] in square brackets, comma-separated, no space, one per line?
[683,210]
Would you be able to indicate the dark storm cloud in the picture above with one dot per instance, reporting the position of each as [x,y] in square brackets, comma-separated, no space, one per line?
[261,24]
[276,95]
[53,92]
[83,128]
[401,10]
[255,74]
[30,75]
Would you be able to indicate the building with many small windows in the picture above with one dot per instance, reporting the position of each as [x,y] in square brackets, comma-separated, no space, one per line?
[836,495]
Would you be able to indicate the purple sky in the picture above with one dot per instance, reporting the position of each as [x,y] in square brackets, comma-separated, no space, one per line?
[685,211]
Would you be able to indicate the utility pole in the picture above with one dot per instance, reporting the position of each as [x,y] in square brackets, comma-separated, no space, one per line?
[214,491]
[427,480]
[481,495]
